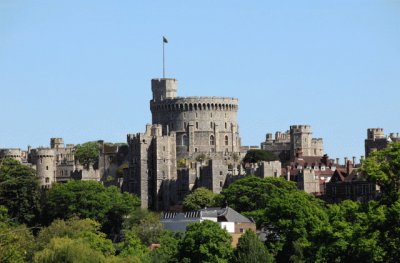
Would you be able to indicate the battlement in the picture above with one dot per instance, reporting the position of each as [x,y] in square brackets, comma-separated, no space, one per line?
[56,143]
[165,88]
[45,152]
[196,104]
[11,152]
[300,128]
[375,133]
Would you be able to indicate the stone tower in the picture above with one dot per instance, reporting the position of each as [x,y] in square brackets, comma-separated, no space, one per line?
[203,125]
[45,160]
[153,167]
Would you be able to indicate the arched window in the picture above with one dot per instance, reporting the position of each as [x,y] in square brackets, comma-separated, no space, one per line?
[212,140]
[226,140]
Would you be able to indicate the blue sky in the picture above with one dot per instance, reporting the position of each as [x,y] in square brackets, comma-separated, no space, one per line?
[81,70]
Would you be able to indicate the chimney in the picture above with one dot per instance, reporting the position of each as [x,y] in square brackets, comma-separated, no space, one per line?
[345,160]
[349,167]
[354,160]
[337,161]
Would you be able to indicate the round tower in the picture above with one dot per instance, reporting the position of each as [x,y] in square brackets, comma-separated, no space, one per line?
[202,124]
[46,166]
[13,153]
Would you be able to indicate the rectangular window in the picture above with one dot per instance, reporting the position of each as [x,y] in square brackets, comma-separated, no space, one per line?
[197,125]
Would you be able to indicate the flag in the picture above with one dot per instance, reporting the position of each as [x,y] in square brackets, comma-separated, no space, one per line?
[165,40]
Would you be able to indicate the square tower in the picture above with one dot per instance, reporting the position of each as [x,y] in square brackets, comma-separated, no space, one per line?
[164,89]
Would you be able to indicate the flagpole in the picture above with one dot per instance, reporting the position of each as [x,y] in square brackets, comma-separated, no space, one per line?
[163,58]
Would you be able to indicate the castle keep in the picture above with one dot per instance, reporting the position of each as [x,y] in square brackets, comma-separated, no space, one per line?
[200,132]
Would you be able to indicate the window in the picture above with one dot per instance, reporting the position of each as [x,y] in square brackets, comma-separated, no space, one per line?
[226,125]
[195,150]
[212,141]
[197,125]
[47,168]
[185,140]
[211,114]
[211,125]
[226,140]
[220,184]
[241,230]
[184,125]
[47,180]
[163,148]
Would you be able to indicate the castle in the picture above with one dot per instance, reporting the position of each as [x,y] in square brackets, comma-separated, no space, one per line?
[194,142]
[199,133]
[292,143]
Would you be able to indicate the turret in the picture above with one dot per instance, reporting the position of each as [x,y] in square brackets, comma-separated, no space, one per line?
[164,89]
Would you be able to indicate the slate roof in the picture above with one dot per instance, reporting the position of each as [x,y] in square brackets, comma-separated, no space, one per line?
[225,214]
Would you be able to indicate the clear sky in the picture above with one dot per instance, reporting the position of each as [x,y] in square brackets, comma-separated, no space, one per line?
[81,70]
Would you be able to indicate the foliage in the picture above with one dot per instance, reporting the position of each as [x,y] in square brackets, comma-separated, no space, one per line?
[74,228]
[257,155]
[181,163]
[201,157]
[251,195]
[63,249]
[383,167]
[251,250]
[199,199]
[168,251]
[146,226]
[87,153]
[20,191]
[16,241]
[353,234]
[131,246]
[293,222]
[90,199]
[206,242]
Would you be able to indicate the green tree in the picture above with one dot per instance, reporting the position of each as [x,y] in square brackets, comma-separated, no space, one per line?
[294,222]
[206,242]
[251,250]
[63,249]
[257,155]
[353,235]
[145,224]
[168,252]
[16,241]
[251,195]
[199,199]
[131,246]
[87,153]
[74,228]
[383,167]
[20,191]
[90,199]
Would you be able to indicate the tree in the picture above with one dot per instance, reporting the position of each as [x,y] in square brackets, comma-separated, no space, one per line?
[90,199]
[16,241]
[63,249]
[87,153]
[383,168]
[353,235]
[293,222]
[198,199]
[132,247]
[168,252]
[206,242]
[20,191]
[251,250]
[145,224]
[257,155]
[86,229]
[251,195]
